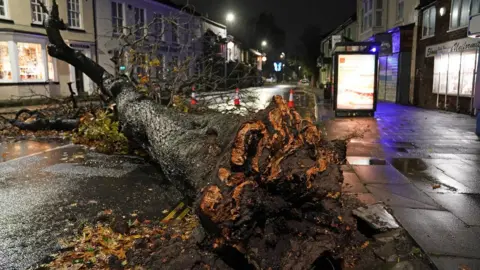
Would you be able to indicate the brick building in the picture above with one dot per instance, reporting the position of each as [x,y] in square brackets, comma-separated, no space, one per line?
[446,59]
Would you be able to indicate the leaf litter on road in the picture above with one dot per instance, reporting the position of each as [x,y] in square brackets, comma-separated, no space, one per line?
[95,245]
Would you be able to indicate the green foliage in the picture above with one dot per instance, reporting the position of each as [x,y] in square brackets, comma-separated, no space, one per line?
[101,132]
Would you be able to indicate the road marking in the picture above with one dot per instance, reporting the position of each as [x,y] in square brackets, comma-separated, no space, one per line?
[174,211]
[41,152]
[183,214]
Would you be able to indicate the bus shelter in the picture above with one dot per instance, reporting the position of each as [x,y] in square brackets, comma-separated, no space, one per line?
[355,73]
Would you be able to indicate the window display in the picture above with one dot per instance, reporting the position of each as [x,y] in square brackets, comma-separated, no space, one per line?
[30,61]
[451,66]
[51,68]
[5,64]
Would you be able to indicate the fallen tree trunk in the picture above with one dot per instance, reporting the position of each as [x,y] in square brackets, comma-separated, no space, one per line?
[266,186]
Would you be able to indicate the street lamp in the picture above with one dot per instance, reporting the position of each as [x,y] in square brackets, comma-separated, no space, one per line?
[264,43]
[229,18]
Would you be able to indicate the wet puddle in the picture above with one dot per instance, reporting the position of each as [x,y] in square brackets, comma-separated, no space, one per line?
[425,175]
[365,161]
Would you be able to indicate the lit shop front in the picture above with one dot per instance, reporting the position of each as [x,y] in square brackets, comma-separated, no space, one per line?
[455,65]
[26,69]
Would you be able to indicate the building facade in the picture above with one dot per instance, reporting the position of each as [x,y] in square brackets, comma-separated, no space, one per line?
[446,58]
[347,31]
[391,23]
[166,34]
[26,69]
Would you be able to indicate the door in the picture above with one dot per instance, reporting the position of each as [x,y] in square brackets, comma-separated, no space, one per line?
[388,77]
[81,83]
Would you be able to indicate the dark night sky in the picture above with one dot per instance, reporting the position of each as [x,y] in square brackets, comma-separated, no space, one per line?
[290,15]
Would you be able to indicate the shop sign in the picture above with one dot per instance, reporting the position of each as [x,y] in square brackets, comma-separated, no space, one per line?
[356,82]
[459,45]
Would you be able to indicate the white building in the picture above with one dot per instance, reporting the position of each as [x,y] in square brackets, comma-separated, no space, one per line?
[26,69]
[347,31]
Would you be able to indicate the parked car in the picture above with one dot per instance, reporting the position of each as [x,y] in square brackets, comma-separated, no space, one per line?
[271,80]
[304,82]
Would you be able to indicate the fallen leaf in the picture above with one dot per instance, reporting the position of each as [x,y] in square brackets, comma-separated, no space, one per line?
[340,218]
[436,186]
[73,204]
[364,245]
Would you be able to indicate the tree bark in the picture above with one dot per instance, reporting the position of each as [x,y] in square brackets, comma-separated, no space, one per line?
[266,186]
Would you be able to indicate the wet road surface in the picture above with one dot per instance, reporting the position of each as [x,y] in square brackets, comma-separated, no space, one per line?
[44,196]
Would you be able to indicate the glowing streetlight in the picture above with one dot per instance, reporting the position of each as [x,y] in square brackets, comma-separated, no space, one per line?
[264,43]
[230,17]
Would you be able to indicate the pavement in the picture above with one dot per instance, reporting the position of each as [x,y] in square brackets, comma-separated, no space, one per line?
[425,166]
[48,188]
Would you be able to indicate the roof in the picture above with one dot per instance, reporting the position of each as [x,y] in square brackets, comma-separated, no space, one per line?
[346,23]
[214,22]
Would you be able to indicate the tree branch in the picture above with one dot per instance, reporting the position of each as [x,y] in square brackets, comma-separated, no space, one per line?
[60,50]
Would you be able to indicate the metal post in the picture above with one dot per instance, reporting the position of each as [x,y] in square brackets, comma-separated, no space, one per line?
[386,76]
[459,83]
[226,57]
[446,87]
[438,87]
[473,82]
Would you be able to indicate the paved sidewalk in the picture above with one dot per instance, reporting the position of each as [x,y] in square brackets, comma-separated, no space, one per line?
[423,164]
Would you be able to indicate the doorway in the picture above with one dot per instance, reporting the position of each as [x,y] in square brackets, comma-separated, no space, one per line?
[81,83]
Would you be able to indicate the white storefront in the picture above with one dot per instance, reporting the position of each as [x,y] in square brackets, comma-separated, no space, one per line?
[455,67]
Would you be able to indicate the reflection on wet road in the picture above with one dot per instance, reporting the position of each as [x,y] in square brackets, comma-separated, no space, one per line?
[43,197]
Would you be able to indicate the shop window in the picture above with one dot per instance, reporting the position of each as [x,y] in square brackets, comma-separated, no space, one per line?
[174,25]
[460,12]
[37,13]
[3,8]
[5,63]
[428,25]
[158,26]
[453,72]
[117,18]
[459,69]
[52,69]
[30,62]
[400,9]
[140,22]
[475,7]
[378,13]
[73,8]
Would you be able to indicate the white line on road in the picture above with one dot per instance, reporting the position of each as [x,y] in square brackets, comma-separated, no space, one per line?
[41,152]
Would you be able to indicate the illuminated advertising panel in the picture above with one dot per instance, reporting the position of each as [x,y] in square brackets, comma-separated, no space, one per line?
[356,82]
